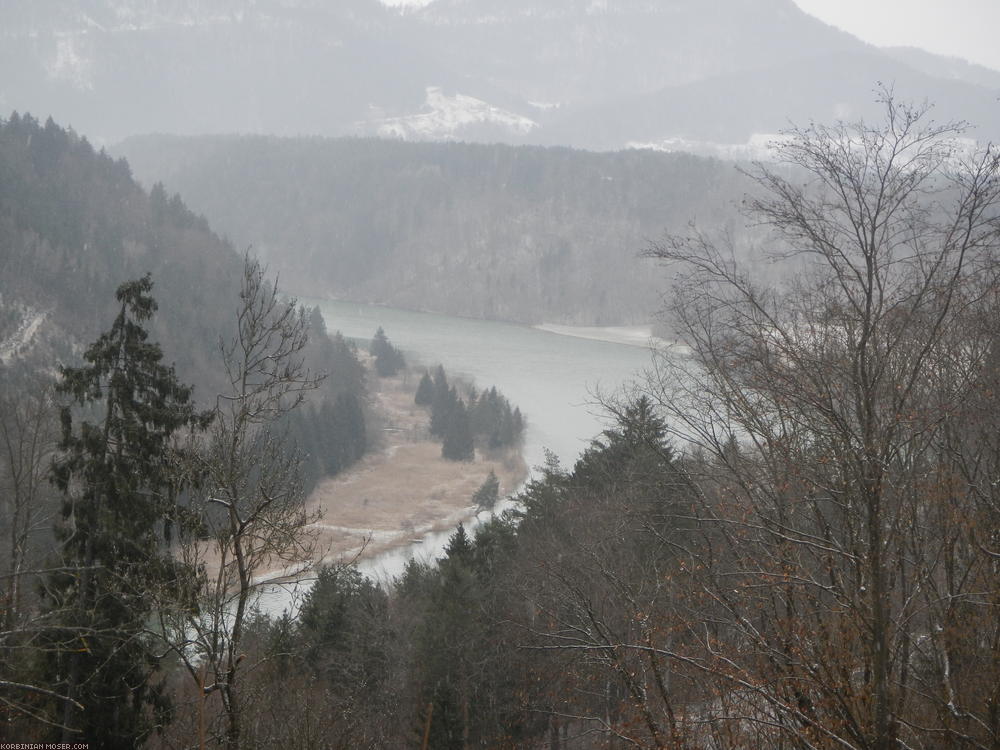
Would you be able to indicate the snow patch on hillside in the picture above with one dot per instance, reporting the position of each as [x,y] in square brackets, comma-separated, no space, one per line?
[19,342]
[763,147]
[71,64]
[446,116]
[760,147]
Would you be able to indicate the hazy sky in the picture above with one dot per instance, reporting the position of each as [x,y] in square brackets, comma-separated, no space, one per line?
[965,28]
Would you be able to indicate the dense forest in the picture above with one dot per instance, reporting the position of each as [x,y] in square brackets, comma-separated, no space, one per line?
[786,540]
[74,224]
[525,234]
[93,476]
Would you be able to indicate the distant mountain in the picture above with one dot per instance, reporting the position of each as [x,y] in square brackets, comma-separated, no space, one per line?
[571,51]
[115,68]
[488,70]
[733,108]
[945,68]
[518,233]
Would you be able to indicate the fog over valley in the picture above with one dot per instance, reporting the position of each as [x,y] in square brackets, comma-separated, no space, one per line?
[547,374]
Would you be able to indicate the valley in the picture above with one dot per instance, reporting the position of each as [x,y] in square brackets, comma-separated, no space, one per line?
[542,374]
[404,490]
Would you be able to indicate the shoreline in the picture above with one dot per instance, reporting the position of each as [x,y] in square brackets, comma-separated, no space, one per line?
[627,335]
[640,336]
[403,491]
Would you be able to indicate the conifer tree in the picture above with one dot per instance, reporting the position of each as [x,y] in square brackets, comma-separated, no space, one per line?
[506,430]
[518,422]
[442,403]
[343,627]
[379,342]
[448,642]
[388,359]
[459,545]
[348,436]
[488,493]
[425,392]
[458,444]
[119,488]
[346,373]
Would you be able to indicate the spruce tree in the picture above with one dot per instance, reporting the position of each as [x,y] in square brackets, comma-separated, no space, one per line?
[442,403]
[346,373]
[459,547]
[388,359]
[448,643]
[425,392]
[348,441]
[506,428]
[518,423]
[379,342]
[458,444]
[488,493]
[119,488]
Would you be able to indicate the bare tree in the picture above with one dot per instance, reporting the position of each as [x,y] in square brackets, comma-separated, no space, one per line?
[28,435]
[848,597]
[250,517]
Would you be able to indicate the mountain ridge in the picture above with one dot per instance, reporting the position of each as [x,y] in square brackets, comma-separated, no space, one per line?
[114,68]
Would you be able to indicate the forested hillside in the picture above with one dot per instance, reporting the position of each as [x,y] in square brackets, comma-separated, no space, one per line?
[74,225]
[515,233]
[127,331]
[731,108]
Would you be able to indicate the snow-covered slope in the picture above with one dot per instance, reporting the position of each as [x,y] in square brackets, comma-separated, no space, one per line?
[450,116]
[18,341]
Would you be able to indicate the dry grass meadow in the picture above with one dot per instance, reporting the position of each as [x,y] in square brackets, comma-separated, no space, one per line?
[405,489]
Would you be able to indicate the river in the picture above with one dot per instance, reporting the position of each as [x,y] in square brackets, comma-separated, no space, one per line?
[552,375]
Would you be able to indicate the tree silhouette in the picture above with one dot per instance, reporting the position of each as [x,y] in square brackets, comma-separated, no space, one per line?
[119,486]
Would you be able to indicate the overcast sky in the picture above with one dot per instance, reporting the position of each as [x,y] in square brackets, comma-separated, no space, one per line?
[965,28]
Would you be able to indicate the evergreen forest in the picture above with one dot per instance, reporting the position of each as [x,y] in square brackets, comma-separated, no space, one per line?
[462,421]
